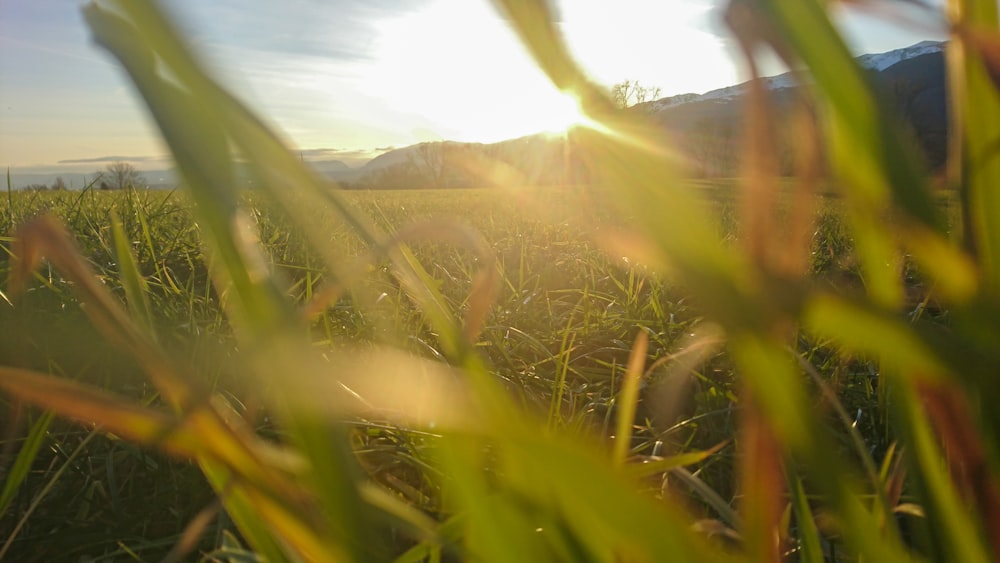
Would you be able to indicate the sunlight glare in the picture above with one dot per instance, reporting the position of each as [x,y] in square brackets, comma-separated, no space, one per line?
[474,82]
[564,114]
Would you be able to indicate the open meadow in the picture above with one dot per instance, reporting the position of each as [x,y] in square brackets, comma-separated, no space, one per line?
[559,336]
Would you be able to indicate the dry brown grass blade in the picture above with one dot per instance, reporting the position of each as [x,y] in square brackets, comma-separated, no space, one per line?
[114,414]
[195,436]
[702,343]
[762,484]
[986,43]
[45,238]
[758,196]
[784,251]
[895,480]
[962,443]
[795,258]
[482,296]
[192,533]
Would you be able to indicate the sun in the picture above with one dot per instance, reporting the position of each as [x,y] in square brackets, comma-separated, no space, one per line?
[561,114]
[470,83]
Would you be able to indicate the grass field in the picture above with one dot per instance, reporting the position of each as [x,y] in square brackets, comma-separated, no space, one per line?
[559,337]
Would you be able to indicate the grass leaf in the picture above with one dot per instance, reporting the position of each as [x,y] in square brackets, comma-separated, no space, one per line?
[136,289]
[628,397]
[17,472]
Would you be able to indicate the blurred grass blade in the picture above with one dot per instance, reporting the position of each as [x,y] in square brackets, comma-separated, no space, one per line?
[761,480]
[200,433]
[115,414]
[275,531]
[628,397]
[984,42]
[546,476]
[975,106]
[276,168]
[955,533]
[45,238]
[949,412]
[17,472]
[192,533]
[80,449]
[142,38]
[632,151]
[260,300]
[533,21]
[869,151]
[184,437]
[810,546]
[136,289]
[203,156]
[767,366]
[874,166]
[884,500]
[492,525]
[420,525]
[722,508]
[654,466]
[862,330]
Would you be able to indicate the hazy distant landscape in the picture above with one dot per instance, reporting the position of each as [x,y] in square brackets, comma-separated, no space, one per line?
[707,126]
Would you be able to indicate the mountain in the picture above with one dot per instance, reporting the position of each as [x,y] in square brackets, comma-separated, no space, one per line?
[877,62]
[392,158]
[329,166]
[911,80]
[882,61]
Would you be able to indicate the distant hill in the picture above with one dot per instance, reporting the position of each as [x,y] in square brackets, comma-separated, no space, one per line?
[165,178]
[912,79]
[329,166]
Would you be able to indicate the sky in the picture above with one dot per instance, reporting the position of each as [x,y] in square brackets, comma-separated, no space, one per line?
[349,79]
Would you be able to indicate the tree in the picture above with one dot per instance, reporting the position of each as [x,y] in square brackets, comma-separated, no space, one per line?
[120,175]
[400,176]
[430,160]
[59,185]
[435,163]
[630,93]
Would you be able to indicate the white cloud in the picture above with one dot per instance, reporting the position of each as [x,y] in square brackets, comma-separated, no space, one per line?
[666,43]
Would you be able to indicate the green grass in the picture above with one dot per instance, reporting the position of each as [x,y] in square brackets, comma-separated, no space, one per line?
[436,375]
[559,338]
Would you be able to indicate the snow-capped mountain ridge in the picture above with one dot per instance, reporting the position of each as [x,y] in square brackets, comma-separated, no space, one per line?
[882,61]
[876,62]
